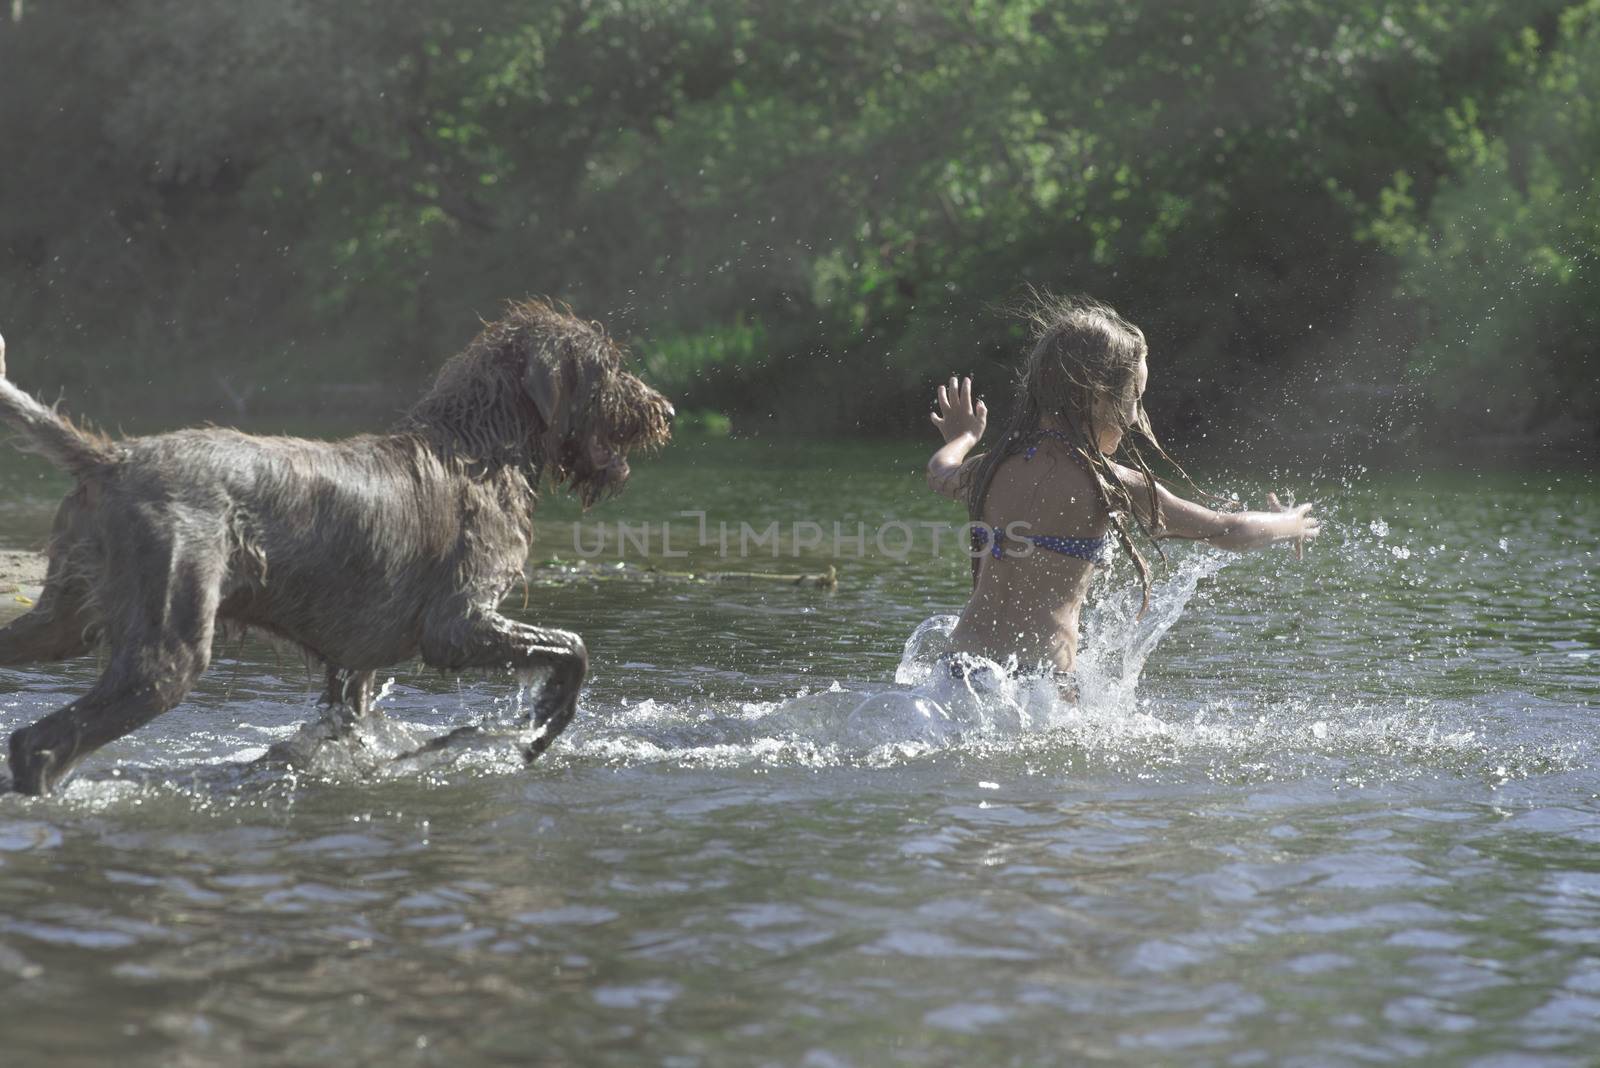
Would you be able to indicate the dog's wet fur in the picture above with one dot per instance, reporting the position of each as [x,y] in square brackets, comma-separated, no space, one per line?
[363,552]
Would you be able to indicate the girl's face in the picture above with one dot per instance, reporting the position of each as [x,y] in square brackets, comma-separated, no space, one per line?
[1110,421]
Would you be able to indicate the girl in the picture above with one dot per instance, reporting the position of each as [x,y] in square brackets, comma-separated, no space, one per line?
[1047,501]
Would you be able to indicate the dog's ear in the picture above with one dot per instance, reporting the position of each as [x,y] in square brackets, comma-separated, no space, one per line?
[560,392]
[543,381]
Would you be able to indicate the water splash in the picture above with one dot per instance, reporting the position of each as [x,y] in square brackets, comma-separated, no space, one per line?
[925,711]
[383,746]
[1117,643]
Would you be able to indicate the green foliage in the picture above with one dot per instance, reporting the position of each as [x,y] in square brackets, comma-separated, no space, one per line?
[1377,210]
[1502,257]
[702,422]
[676,361]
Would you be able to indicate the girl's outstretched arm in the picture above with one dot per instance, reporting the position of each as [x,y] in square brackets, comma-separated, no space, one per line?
[961,422]
[1238,531]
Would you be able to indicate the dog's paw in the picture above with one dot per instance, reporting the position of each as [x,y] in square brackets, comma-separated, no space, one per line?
[33,770]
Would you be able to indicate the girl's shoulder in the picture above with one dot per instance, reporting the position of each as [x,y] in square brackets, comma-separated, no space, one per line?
[1057,458]
[1050,487]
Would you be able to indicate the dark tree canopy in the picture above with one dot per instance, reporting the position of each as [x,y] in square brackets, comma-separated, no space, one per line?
[1381,217]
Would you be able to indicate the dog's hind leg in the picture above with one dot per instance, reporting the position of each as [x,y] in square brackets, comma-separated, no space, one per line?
[483,639]
[139,684]
[57,628]
[61,625]
[161,648]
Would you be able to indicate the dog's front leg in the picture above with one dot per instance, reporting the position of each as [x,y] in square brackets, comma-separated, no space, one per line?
[348,694]
[487,639]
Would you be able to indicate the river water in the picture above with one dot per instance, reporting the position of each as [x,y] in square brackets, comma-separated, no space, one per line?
[1331,812]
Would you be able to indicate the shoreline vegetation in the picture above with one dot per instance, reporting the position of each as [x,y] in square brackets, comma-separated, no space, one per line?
[1366,228]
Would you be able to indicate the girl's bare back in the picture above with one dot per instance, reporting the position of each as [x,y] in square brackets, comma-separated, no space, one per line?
[1027,599]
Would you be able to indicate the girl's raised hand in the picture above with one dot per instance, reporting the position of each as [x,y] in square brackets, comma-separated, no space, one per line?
[957,414]
[1303,526]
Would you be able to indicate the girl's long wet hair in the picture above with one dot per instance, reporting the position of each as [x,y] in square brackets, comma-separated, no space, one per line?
[1083,351]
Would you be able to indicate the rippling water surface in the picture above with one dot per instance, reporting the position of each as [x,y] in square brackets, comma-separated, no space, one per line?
[1344,812]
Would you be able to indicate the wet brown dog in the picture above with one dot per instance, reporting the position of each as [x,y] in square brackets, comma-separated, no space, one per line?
[364,552]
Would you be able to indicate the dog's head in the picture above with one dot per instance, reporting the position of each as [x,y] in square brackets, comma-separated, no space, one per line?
[592,411]
[583,411]
[546,391]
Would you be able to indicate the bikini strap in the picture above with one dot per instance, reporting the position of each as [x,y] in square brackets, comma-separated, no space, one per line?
[980,536]
[1073,448]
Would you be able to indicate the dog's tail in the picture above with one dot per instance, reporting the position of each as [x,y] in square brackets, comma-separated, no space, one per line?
[51,435]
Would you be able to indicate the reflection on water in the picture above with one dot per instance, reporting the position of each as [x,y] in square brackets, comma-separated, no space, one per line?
[1335,812]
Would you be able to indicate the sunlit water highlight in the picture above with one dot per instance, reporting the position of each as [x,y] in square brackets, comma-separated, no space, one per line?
[1342,811]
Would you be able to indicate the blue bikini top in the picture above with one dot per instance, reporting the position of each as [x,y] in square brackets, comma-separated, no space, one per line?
[1094,550]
